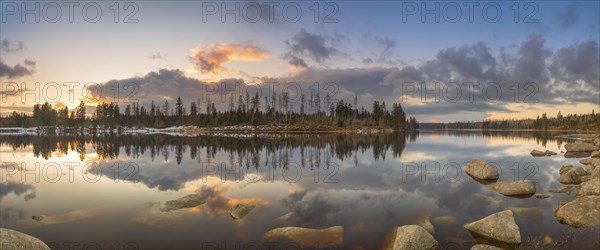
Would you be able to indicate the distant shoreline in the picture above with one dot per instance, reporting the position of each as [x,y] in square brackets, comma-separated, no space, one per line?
[247,129]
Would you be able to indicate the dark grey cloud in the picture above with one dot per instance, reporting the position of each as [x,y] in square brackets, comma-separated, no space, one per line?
[297,62]
[8,46]
[165,84]
[17,70]
[568,17]
[531,63]
[308,45]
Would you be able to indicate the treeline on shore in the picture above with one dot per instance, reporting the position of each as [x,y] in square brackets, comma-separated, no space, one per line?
[589,121]
[313,112]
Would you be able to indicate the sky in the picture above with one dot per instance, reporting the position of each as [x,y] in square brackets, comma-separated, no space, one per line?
[443,61]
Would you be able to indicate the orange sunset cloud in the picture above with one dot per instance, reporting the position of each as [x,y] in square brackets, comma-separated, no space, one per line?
[211,58]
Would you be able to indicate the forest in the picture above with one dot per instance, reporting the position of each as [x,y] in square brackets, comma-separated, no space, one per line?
[590,121]
[313,111]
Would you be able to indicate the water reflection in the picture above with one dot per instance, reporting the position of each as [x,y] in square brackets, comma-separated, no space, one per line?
[367,183]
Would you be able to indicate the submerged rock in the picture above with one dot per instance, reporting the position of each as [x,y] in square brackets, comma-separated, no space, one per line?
[187,201]
[498,229]
[481,170]
[11,239]
[566,190]
[37,217]
[306,237]
[580,147]
[581,212]
[522,188]
[426,224]
[412,237]
[591,187]
[541,196]
[240,211]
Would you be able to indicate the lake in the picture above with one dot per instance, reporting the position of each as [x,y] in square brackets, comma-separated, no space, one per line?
[104,191]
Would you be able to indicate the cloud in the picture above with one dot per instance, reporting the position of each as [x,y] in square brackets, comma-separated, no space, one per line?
[307,45]
[531,64]
[8,46]
[18,70]
[211,58]
[297,62]
[570,74]
[157,56]
[18,189]
[161,85]
[568,17]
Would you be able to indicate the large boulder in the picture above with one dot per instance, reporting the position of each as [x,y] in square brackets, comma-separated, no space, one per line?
[498,229]
[591,187]
[11,239]
[412,237]
[306,237]
[595,154]
[581,212]
[481,170]
[240,211]
[522,188]
[580,147]
[187,201]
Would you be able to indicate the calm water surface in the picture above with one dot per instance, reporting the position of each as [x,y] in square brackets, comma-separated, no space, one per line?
[104,191]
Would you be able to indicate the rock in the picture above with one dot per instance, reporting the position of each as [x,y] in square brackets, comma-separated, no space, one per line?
[591,187]
[595,173]
[577,154]
[37,217]
[240,211]
[426,224]
[541,196]
[485,247]
[538,153]
[586,161]
[187,201]
[572,175]
[566,190]
[593,162]
[581,212]
[498,229]
[413,237]
[306,237]
[522,188]
[547,240]
[585,178]
[596,154]
[481,170]
[580,147]
[564,169]
[11,239]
